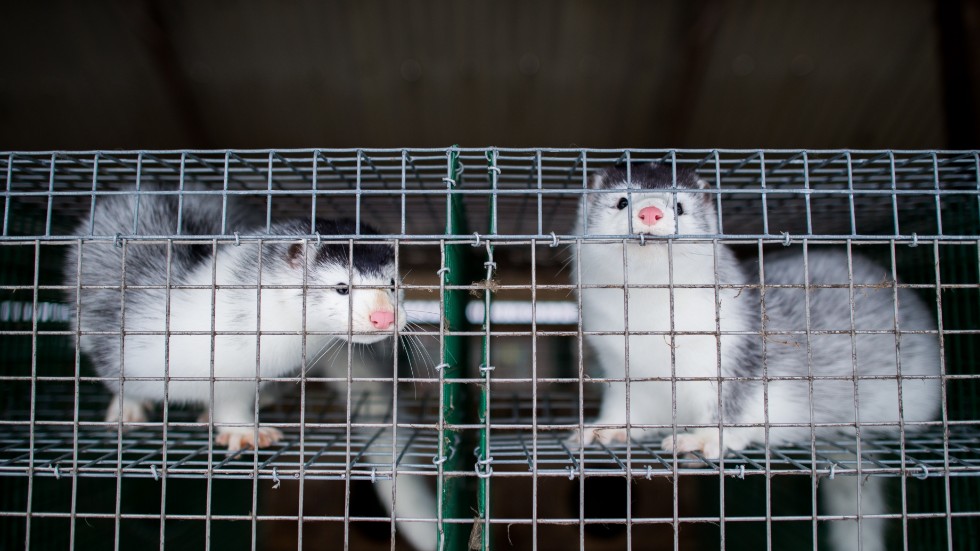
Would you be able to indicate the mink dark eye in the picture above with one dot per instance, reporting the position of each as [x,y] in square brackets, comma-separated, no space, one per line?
[342,288]
[622,204]
[680,209]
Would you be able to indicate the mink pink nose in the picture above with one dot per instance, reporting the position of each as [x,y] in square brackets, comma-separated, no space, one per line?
[382,319]
[650,215]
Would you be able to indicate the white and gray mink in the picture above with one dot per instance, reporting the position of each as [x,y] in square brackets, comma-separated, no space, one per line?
[730,321]
[208,289]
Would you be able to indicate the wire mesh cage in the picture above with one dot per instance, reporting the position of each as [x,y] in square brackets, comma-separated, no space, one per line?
[480,417]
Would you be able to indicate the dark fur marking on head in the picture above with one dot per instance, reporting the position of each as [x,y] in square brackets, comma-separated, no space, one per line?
[648,176]
[372,259]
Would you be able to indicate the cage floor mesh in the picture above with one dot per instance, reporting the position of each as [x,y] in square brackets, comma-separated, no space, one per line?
[323,444]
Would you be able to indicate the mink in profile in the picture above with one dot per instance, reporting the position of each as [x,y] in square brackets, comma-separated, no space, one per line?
[236,312]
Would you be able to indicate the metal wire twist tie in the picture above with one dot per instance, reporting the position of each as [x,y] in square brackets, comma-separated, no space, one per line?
[833,467]
[374,475]
[440,367]
[649,474]
[741,472]
[571,472]
[460,168]
[490,264]
[116,241]
[439,459]
[485,369]
[450,181]
[554,239]
[786,242]
[57,471]
[238,240]
[493,169]
[925,472]
[489,467]
[442,271]
[477,235]
[156,475]
[275,478]
[643,239]
[915,240]
[318,239]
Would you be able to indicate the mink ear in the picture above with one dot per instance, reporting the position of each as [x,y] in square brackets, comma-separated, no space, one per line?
[294,255]
[598,180]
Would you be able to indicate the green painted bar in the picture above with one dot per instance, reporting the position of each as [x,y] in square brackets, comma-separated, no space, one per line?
[456,492]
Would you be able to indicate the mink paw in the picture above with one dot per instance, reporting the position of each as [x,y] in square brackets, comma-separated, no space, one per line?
[602,436]
[706,443]
[237,438]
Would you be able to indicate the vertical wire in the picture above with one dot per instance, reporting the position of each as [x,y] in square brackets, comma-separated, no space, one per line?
[304,349]
[488,300]
[75,404]
[850,192]
[936,258]
[540,205]
[855,378]
[765,352]
[580,339]
[440,468]
[7,196]
[357,194]
[717,292]
[943,380]
[304,346]
[404,192]
[49,212]
[900,382]
[762,185]
[894,186]
[78,350]
[808,326]
[935,180]
[30,459]
[487,361]
[180,194]
[211,383]
[396,338]
[673,368]
[898,353]
[224,196]
[350,382]
[814,479]
[626,337]
[122,392]
[313,198]
[258,378]
[807,192]
[166,392]
[534,393]
[715,244]
[765,392]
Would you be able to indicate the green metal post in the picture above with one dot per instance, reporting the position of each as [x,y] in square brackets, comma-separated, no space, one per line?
[456,493]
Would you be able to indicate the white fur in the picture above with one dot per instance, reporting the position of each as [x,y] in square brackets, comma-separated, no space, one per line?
[672,404]
[238,353]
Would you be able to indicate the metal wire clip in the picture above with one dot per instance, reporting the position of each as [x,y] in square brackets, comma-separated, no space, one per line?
[486,463]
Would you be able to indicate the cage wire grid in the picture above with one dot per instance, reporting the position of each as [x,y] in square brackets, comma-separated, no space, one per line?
[478,231]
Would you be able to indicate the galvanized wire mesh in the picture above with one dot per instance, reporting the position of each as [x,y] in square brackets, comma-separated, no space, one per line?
[486,231]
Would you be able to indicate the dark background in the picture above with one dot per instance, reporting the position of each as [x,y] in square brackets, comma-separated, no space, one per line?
[704,73]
